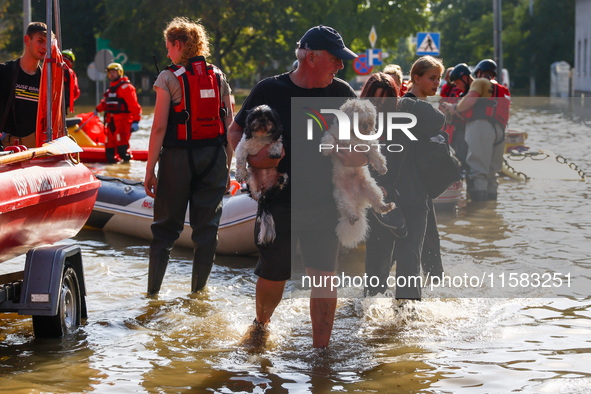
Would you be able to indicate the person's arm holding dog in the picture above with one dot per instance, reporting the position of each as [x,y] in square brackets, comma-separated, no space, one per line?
[261,160]
[352,159]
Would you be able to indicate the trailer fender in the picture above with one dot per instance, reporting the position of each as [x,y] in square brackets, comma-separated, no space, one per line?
[43,275]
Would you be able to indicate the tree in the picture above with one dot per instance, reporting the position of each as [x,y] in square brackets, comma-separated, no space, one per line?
[531,43]
[245,35]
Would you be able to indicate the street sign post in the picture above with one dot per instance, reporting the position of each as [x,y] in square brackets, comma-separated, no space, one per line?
[95,74]
[118,56]
[374,57]
[373,36]
[103,58]
[428,44]
[361,66]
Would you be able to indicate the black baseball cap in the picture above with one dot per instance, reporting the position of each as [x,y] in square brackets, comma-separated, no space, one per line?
[325,38]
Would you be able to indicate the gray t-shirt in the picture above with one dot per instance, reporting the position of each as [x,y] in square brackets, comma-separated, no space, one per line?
[169,82]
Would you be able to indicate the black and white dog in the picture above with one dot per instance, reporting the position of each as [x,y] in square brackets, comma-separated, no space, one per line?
[262,128]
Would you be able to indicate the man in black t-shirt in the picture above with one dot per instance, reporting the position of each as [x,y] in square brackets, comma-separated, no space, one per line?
[320,54]
[19,89]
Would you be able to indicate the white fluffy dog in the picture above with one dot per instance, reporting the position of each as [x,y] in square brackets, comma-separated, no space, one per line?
[355,189]
[262,128]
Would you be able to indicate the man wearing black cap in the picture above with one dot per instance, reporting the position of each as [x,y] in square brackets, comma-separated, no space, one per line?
[320,53]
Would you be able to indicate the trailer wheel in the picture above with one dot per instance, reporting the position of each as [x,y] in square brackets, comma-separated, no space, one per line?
[69,310]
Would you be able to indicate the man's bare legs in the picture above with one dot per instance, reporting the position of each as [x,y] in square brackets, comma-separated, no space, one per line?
[268,296]
[323,304]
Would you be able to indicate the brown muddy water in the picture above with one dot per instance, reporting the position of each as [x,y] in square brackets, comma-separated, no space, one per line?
[489,342]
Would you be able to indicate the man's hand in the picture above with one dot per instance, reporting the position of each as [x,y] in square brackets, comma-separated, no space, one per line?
[264,178]
[262,160]
[352,159]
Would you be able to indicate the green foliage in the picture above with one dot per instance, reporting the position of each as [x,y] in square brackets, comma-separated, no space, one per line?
[530,43]
[252,39]
[11,33]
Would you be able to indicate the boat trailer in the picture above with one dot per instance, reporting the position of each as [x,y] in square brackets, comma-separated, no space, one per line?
[51,289]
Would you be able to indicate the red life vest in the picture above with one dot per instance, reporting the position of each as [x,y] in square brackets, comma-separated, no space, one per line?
[198,118]
[113,103]
[495,108]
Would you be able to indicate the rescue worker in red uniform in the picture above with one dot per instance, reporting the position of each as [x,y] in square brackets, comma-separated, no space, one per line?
[486,110]
[71,89]
[122,113]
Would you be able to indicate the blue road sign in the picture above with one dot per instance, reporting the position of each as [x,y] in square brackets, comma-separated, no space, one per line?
[374,57]
[427,43]
[360,64]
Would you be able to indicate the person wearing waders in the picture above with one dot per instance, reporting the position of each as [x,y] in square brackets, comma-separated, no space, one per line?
[188,141]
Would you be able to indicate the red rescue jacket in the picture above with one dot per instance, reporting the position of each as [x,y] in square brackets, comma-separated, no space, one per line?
[71,88]
[199,118]
[495,108]
[114,103]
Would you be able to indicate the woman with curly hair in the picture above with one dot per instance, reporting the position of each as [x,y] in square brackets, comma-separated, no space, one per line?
[188,141]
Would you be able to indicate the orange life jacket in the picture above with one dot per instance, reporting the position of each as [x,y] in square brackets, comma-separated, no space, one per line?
[495,108]
[199,118]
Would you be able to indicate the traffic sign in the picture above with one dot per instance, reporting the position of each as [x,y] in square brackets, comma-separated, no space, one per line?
[103,58]
[373,36]
[95,74]
[374,57]
[427,44]
[360,65]
[119,56]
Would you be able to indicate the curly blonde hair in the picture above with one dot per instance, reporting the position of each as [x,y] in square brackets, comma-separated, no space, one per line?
[191,34]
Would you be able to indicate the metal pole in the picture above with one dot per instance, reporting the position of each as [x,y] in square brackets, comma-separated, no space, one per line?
[58,24]
[498,39]
[26,15]
[48,14]
[500,64]
[532,77]
[58,32]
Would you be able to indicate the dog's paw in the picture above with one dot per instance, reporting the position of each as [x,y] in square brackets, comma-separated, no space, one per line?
[282,180]
[328,144]
[275,150]
[353,217]
[385,208]
[380,167]
[241,175]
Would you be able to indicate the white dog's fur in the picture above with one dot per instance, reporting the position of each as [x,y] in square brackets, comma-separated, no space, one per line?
[355,189]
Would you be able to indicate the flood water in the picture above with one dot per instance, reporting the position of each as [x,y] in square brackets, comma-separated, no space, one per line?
[486,343]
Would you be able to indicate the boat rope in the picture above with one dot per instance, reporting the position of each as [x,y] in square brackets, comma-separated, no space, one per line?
[74,157]
[562,160]
[518,174]
[518,156]
[130,182]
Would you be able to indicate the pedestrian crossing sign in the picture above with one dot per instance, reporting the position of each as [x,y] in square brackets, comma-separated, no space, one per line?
[427,44]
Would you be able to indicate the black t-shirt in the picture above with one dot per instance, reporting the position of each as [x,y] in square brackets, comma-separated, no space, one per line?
[277,93]
[22,118]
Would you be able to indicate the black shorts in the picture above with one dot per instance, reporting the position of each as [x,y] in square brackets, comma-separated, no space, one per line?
[319,246]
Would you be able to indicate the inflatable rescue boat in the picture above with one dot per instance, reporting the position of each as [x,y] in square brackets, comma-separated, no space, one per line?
[123,206]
